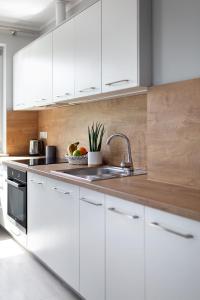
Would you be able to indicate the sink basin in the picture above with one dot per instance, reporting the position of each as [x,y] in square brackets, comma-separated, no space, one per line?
[99,173]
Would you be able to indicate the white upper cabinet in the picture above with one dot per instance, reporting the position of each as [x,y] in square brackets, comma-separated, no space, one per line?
[21,79]
[124,250]
[41,68]
[32,72]
[126,41]
[88,51]
[63,62]
[105,48]
[172,257]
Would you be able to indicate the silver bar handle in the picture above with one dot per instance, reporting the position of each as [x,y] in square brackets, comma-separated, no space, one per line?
[117,82]
[92,88]
[20,104]
[36,182]
[66,94]
[185,236]
[113,209]
[90,202]
[59,191]
[15,184]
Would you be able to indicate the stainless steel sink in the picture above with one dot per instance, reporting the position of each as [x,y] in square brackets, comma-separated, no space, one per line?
[99,173]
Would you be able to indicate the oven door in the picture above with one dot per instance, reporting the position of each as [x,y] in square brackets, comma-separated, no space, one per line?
[17,202]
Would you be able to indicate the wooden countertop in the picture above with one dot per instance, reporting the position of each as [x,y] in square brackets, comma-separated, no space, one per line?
[170,198]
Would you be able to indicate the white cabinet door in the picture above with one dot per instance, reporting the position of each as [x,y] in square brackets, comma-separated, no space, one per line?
[41,68]
[37,214]
[53,226]
[92,245]
[88,51]
[119,44]
[22,83]
[63,62]
[63,223]
[172,257]
[124,250]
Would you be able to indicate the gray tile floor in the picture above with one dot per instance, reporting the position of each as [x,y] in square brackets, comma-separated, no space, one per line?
[23,278]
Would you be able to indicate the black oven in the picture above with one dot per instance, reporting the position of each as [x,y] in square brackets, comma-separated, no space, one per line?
[17,198]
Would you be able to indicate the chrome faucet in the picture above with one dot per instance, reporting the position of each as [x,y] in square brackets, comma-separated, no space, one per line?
[123,164]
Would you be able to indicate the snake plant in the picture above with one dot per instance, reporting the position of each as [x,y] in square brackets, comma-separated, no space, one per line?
[95,134]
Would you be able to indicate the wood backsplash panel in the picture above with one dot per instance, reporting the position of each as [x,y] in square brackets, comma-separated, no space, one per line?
[174,133]
[66,125]
[22,126]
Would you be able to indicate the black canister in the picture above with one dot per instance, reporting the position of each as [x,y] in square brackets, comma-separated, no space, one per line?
[50,154]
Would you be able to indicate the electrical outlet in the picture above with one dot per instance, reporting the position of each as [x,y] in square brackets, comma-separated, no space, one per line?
[43,135]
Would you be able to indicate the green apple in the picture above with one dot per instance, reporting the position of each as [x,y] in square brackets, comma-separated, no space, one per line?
[77,153]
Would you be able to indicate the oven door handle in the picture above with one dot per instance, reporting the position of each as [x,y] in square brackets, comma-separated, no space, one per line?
[15,184]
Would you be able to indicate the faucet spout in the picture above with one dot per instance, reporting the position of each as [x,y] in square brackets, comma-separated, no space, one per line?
[129,163]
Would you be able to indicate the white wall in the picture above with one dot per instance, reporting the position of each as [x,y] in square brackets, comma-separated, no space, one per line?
[176,40]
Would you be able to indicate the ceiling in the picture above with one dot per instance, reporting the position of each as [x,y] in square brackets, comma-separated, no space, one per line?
[29,14]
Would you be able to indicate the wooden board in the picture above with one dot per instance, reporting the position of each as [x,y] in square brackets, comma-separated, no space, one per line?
[66,125]
[22,126]
[174,133]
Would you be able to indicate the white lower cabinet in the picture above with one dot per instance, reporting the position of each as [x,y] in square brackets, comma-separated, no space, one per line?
[124,250]
[53,226]
[92,245]
[37,213]
[107,248]
[172,257]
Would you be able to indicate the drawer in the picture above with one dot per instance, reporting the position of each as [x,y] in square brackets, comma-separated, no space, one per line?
[62,187]
[124,207]
[171,223]
[91,196]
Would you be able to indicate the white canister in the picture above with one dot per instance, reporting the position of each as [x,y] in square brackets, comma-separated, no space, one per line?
[94,158]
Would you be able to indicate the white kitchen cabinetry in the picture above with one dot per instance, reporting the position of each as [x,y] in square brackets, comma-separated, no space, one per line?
[33,74]
[172,257]
[63,62]
[126,44]
[41,68]
[63,222]
[92,245]
[38,210]
[88,51]
[3,196]
[53,226]
[124,250]
[22,83]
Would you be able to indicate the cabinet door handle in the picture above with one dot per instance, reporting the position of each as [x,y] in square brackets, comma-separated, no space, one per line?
[113,209]
[185,236]
[20,104]
[66,94]
[117,82]
[59,191]
[36,182]
[92,88]
[90,202]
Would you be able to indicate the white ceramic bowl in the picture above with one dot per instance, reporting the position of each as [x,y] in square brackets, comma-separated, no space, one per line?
[77,160]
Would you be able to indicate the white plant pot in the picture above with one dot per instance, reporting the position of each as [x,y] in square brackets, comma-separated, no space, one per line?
[94,158]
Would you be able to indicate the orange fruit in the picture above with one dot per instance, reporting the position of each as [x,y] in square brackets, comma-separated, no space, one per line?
[83,150]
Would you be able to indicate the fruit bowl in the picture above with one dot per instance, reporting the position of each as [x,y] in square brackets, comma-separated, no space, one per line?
[77,160]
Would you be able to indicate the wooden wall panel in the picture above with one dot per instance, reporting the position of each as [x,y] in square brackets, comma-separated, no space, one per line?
[174,133]
[22,126]
[66,125]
